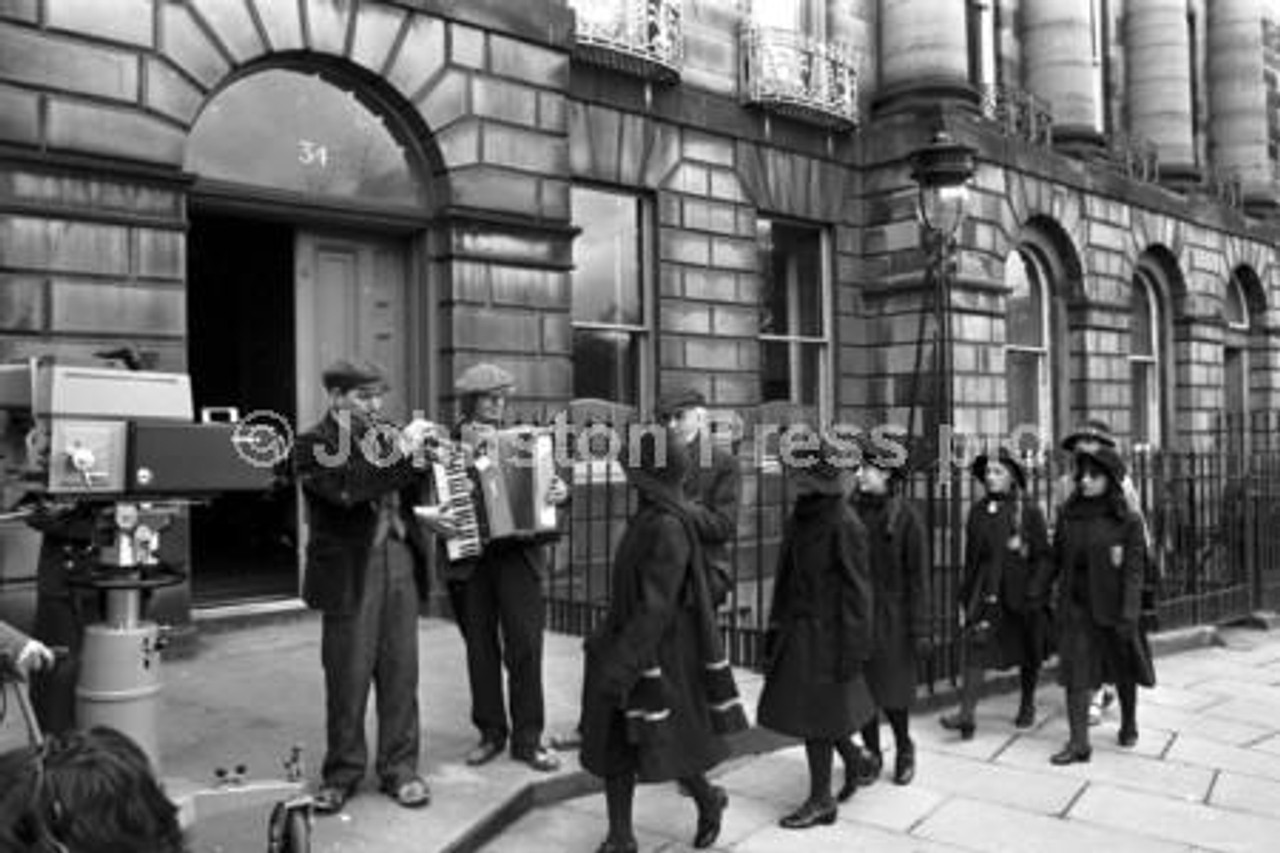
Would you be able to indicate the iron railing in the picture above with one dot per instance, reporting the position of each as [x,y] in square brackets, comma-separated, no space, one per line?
[791,74]
[1134,157]
[1214,522]
[1019,113]
[640,37]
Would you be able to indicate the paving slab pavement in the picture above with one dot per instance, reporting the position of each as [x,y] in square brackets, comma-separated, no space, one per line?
[251,692]
[1204,778]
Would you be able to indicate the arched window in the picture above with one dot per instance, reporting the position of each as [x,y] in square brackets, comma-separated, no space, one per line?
[1235,363]
[1027,369]
[1145,362]
[298,133]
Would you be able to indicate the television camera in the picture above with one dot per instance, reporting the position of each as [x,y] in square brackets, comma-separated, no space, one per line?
[125,445]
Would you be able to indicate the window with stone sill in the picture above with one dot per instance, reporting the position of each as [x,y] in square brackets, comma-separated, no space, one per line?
[611,283]
[806,17]
[1145,363]
[795,333]
[1028,370]
[1235,363]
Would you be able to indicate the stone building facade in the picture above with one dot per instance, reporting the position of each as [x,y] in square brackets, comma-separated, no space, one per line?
[618,197]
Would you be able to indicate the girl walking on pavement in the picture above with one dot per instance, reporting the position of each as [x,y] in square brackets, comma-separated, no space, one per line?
[1001,597]
[1099,551]
[899,588]
[658,694]
[819,635]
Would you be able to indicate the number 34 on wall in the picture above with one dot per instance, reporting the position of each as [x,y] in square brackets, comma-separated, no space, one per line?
[313,153]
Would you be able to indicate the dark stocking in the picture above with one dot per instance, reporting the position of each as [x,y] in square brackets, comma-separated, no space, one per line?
[898,721]
[819,753]
[871,736]
[619,792]
[1127,693]
[1028,677]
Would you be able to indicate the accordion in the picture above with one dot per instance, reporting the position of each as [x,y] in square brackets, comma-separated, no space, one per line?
[500,493]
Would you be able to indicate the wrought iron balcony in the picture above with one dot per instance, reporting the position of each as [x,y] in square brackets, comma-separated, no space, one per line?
[644,38]
[1020,114]
[1134,156]
[791,74]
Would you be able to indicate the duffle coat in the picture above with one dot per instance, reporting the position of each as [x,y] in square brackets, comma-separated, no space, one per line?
[900,583]
[652,625]
[819,636]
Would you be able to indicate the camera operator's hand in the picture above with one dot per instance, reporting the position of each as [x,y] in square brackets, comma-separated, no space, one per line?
[34,657]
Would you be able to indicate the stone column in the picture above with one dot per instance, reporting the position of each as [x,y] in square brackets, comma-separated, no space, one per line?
[1060,67]
[924,49]
[1158,57]
[1238,97]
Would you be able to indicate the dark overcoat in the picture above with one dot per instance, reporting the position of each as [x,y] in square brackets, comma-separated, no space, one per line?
[652,619]
[713,488]
[1099,555]
[900,583]
[1007,554]
[343,488]
[819,636]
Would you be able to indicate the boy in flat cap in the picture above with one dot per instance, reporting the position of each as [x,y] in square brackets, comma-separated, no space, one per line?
[359,480]
[497,599]
[712,486]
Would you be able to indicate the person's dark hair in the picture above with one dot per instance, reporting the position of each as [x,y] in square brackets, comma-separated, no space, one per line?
[87,791]
[1114,495]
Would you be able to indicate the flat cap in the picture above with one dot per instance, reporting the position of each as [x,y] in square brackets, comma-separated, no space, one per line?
[484,378]
[348,373]
[677,400]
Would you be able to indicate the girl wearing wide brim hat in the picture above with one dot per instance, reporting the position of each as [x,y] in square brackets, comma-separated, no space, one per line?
[1098,562]
[900,584]
[1001,597]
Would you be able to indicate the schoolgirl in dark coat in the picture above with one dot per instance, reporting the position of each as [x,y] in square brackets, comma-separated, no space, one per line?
[819,634]
[899,584]
[1099,551]
[658,692]
[1001,597]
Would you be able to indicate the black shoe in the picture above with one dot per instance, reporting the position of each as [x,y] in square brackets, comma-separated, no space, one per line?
[1128,736]
[1071,754]
[536,757]
[810,814]
[1026,716]
[958,722]
[709,819]
[618,847]
[867,769]
[330,799]
[904,765]
[485,751]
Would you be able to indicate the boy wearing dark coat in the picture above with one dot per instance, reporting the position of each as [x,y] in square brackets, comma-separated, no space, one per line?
[1001,598]
[899,582]
[658,693]
[819,636]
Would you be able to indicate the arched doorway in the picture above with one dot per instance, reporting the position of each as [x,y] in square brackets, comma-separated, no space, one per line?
[307,217]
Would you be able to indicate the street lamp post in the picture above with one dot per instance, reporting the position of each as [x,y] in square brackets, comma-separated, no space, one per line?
[942,171]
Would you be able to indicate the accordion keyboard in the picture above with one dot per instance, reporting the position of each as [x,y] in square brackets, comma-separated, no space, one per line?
[453,486]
